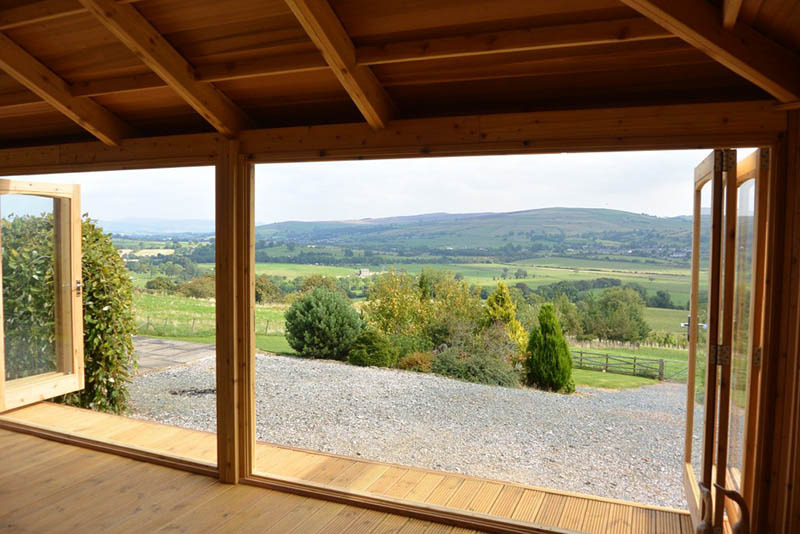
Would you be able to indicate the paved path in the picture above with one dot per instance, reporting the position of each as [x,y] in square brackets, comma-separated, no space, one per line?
[157,353]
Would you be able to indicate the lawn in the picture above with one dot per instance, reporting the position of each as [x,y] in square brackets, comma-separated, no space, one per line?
[599,379]
[675,360]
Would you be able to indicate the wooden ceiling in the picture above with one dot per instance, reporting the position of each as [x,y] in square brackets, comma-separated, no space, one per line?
[75,70]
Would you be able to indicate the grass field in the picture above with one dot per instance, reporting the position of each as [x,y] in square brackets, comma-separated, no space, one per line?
[661,320]
[598,379]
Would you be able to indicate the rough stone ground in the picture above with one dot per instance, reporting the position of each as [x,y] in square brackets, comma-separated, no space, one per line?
[623,444]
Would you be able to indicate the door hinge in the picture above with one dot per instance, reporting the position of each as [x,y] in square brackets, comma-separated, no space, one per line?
[78,288]
[719,355]
[757,357]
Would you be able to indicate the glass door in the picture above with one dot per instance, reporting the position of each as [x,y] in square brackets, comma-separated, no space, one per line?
[725,335]
[704,333]
[746,331]
[41,318]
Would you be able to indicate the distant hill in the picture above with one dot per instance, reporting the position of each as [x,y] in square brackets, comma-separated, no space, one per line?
[594,230]
[157,227]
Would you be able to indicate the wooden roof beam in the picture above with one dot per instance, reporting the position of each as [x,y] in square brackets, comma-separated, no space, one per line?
[563,36]
[39,79]
[730,12]
[130,27]
[326,31]
[741,49]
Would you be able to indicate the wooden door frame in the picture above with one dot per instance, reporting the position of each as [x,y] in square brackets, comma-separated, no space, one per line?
[69,376]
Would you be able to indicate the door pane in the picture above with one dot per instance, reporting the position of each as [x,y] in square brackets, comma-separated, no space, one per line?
[30,280]
[702,333]
[741,327]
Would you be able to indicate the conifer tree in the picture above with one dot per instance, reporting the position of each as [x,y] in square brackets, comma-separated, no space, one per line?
[549,364]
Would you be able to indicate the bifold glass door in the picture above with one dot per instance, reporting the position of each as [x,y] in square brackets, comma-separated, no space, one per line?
[41,327]
[725,322]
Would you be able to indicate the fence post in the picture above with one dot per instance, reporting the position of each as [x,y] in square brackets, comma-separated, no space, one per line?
[581,365]
[606,362]
[634,366]
[661,369]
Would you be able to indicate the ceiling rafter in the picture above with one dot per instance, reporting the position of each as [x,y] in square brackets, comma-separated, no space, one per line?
[135,32]
[48,86]
[326,31]
[742,49]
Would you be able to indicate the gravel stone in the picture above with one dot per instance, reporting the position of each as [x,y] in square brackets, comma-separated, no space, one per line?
[625,444]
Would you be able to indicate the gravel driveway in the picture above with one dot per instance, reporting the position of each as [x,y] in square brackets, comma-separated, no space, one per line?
[624,444]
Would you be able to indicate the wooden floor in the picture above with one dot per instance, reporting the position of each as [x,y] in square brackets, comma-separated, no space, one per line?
[538,505]
[46,486]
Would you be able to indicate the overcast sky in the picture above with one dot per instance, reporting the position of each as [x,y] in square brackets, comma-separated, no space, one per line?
[656,183]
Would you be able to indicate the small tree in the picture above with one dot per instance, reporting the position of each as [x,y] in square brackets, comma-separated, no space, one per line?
[500,307]
[266,290]
[322,324]
[549,365]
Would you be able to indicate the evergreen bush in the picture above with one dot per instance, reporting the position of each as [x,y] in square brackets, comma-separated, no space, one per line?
[322,324]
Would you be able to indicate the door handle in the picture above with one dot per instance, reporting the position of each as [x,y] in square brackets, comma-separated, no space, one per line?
[743,525]
[705,526]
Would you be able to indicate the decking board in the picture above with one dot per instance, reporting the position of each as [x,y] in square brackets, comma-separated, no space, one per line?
[537,505]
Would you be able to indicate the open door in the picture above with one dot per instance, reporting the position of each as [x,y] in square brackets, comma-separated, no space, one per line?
[726,305]
[41,317]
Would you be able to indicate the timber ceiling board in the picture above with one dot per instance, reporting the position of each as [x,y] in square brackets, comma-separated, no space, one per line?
[315,96]
[76,48]
[610,57]
[370,21]
[157,111]
[779,19]
[652,86]
[210,30]
[39,126]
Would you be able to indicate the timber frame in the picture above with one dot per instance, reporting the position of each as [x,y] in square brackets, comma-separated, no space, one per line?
[248,82]
[663,127]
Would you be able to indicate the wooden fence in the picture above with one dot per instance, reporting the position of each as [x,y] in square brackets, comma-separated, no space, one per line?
[624,365]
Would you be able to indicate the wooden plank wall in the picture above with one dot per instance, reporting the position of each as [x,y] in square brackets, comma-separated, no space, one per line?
[777,483]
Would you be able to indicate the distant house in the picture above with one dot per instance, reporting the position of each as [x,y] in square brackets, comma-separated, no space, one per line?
[364,273]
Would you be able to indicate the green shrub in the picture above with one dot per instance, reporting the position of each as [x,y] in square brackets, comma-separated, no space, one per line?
[420,362]
[407,344]
[160,283]
[322,324]
[549,364]
[204,287]
[108,323]
[371,348]
[480,368]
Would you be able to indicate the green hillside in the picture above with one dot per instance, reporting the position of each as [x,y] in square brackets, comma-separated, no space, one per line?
[593,231]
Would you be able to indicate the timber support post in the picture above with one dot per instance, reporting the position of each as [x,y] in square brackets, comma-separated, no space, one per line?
[235,288]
